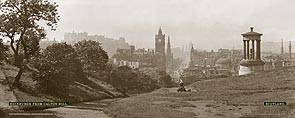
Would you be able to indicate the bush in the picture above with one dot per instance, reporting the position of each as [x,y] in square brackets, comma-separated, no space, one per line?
[146,83]
[58,67]
[127,81]
[91,55]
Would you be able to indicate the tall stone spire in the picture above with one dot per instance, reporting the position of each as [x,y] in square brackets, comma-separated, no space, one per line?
[160,31]
[168,46]
[169,57]
[192,52]
[282,47]
[192,49]
[290,50]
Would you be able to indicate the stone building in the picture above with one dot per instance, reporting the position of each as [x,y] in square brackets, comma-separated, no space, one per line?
[274,61]
[161,57]
[210,59]
[212,64]
[134,58]
[252,53]
[160,50]
[110,45]
[202,58]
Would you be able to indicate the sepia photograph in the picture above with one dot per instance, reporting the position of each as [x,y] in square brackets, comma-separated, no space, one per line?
[147,59]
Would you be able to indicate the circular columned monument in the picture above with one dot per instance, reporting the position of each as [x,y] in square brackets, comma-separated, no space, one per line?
[251,61]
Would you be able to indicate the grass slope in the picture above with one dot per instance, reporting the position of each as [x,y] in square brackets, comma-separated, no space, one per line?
[234,97]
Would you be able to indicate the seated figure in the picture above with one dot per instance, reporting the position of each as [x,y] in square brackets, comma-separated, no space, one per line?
[181,88]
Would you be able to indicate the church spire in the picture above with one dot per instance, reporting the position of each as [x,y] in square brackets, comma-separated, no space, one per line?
[168,48]
[192,49]
[160,30]
[169,56]
[282,47]
[168,43]
[290,51]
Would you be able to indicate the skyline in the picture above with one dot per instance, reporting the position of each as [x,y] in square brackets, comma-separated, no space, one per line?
[199,21]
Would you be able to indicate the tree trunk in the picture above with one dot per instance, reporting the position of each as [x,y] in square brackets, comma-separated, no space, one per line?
[19,64]
[16,82]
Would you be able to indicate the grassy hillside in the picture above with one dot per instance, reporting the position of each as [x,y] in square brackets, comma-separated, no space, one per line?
[86,90]
[234,97]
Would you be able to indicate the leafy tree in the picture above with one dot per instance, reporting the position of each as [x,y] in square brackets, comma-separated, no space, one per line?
[124,79]
[21,22]
[58,67]
[127,80]
[92,56]
[146,83]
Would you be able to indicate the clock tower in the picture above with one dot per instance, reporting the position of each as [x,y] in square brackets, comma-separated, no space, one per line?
[160,49]
[160,42]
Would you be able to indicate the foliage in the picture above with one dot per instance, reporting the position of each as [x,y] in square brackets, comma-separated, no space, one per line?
[3,51]
[58,67]
[91,55]
[20,22]
[146,83]
[129,81]
[166,80]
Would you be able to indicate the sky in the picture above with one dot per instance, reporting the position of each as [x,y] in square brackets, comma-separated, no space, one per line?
[208,24]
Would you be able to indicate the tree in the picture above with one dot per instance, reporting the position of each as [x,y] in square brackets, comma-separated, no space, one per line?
[127,80]
[20,22]
[146,83]
[3,50]
[58,68]
[124,79]
[92,56]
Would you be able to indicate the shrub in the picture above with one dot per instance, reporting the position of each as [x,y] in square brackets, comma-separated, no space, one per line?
[91,55]
[58,67]
[127,81]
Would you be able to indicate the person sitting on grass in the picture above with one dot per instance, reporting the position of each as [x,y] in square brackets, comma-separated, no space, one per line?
[181,87]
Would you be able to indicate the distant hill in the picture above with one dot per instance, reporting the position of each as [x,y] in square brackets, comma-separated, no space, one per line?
[108,44]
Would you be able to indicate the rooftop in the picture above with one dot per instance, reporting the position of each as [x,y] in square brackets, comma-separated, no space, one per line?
[251,33]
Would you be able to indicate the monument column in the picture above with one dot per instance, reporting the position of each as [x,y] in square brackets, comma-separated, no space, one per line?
[258,50]
[248,54]
[253,50]
[245,56]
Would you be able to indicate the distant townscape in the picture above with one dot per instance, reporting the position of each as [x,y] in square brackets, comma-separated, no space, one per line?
[185,63]
[187,71]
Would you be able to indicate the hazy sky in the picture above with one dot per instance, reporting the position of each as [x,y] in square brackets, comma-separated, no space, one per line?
[206,23]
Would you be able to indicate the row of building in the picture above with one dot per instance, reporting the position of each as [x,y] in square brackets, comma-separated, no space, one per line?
[204,64]
[225,62]
[160,58]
